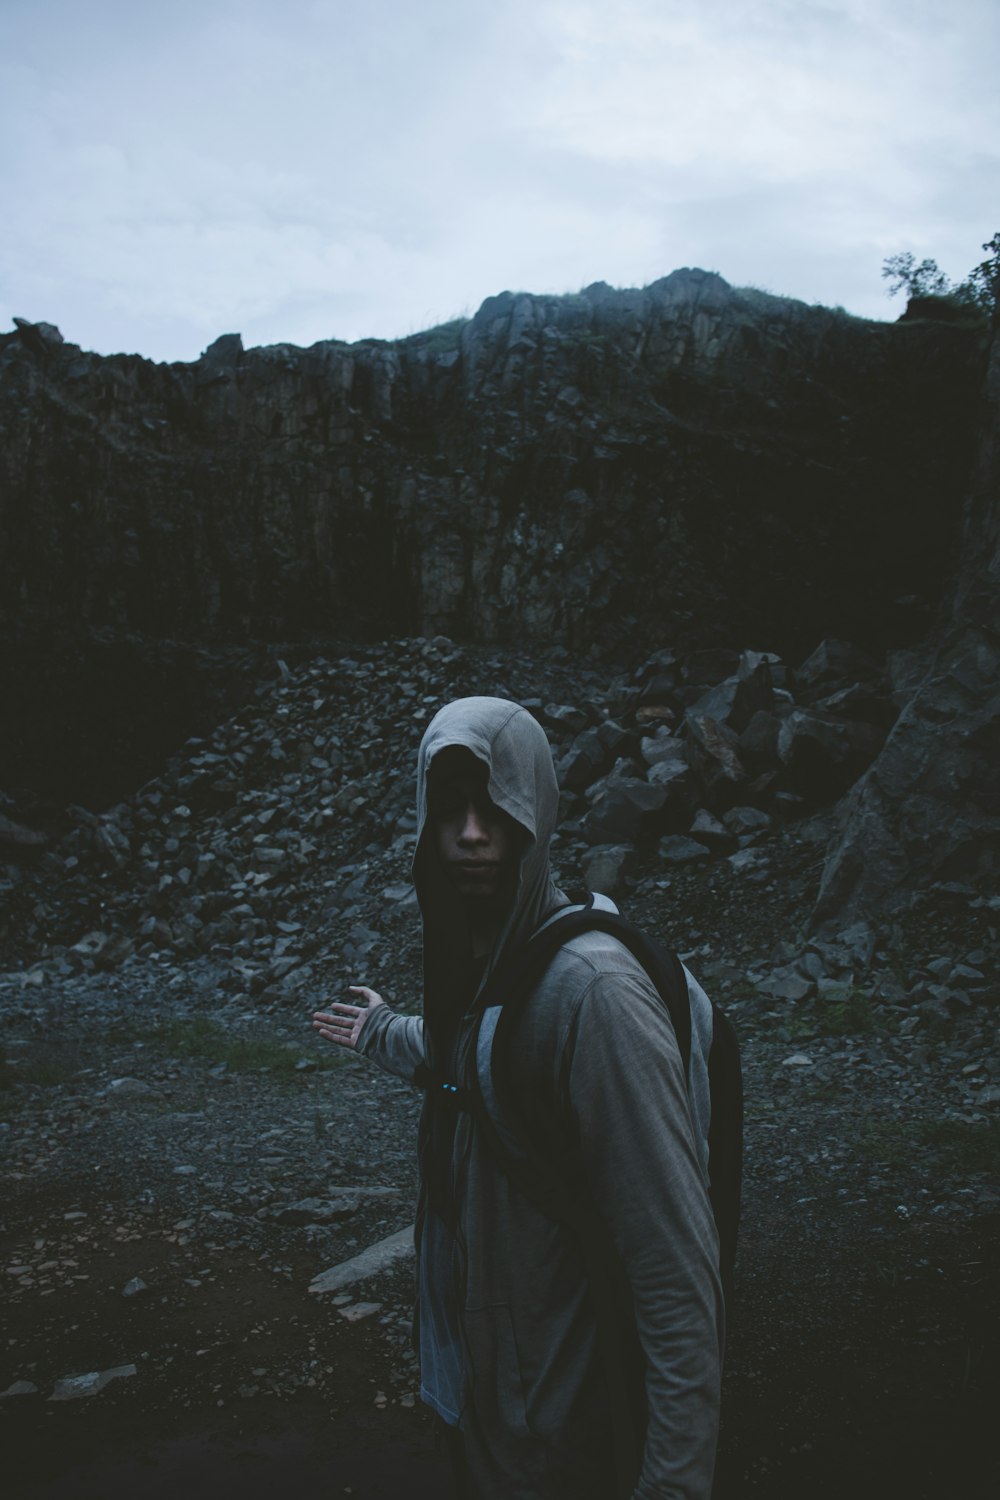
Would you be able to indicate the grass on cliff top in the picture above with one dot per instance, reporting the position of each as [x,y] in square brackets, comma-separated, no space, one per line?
[441,339]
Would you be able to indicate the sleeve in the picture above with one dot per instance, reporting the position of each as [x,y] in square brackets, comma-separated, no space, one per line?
[395,1042]
[628,1094]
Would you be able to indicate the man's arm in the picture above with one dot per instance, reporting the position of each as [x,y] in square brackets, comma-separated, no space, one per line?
[628,1094]
[395,1042]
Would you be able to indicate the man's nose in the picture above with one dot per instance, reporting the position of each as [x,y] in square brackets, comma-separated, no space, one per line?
[474,830]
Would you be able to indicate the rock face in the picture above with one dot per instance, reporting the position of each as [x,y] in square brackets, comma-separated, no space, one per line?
[929,806]
[686,462]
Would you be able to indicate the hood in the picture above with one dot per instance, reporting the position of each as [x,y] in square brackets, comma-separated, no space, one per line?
[522,783]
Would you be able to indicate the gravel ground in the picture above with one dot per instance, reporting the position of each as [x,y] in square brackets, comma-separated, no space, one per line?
[182,1156]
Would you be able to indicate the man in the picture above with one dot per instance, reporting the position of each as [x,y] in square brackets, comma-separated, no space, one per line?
[511,1358]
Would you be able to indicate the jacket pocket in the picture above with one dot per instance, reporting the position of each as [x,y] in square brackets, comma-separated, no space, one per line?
[496,1383]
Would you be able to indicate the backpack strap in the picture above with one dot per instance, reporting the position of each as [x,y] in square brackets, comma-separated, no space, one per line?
[512,986]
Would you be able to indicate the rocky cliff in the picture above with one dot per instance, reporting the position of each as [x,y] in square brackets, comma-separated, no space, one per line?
[688,464]
[929,807]
[555,468]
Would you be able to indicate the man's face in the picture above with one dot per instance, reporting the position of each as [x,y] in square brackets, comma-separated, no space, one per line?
[476,842]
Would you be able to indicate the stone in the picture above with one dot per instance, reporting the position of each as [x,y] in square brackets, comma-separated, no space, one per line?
[135,1287]
[586,759]
[758,742]
[715,755]
[20,837]
[19,1388]
[710,832]
[355,1312]
[625,813]
[607,866]
[746,821]
[833,664]
[564,716]
[330,1210]
[824,755]
[225,350]
[76,1387]
[663,746]
[135,1088]
[378,1257]
[675,849]
[785,985]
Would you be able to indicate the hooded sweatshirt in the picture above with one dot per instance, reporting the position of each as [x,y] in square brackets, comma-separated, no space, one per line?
[508,1339]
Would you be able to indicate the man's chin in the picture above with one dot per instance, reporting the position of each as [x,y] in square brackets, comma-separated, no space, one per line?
[478,889]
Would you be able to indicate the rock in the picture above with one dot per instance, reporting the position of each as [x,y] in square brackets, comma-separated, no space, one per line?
[824,755]
[135,1088]
[746,822]
[607,866]
[39,336]
[135,1287]
[715,756]
[354,1312]
[675,849]
[330,1210]
[90,947]
[626,813]
[785,985]
[758,742]
[587,759]
[225,350]
[833,664]
[563,716]
[379,1257]
[75,1387]
[663,746]
[19,1388]
[19,837]
[797,1060]
[718,702]
[710,832]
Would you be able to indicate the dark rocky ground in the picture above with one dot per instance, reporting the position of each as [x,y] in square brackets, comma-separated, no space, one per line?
[166,1106]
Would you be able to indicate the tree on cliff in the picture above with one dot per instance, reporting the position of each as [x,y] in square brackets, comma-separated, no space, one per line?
[922,279]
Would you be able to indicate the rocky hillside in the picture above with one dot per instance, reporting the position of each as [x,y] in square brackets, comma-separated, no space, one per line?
[686,463]
[284,837]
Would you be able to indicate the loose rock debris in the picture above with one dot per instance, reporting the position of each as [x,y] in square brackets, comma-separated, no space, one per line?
[158,1125]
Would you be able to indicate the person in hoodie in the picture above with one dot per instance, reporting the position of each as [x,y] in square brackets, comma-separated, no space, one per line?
[507,1330]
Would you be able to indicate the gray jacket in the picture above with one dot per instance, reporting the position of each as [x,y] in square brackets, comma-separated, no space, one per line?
[508,1339]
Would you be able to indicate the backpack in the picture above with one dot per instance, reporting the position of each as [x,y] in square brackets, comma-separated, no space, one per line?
[717,1104]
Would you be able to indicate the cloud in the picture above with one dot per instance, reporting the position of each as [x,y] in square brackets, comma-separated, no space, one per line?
[360,167]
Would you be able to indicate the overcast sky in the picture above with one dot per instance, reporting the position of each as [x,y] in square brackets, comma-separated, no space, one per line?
[296,170]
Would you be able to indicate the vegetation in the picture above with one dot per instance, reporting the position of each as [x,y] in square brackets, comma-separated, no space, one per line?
[441,339]
[924,280]
[202,1038]
[961,1146]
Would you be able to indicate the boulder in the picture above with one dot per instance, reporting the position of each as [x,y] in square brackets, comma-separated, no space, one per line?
[587,758]
[823,755]
[625,813]
[676,849]
[758,742]
[714,751]
[834,664]
[710,832]
[606,867]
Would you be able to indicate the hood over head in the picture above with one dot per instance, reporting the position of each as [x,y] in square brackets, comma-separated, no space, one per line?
[513,747]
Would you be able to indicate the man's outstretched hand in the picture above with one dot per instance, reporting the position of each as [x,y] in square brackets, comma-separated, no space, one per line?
[342,1023]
